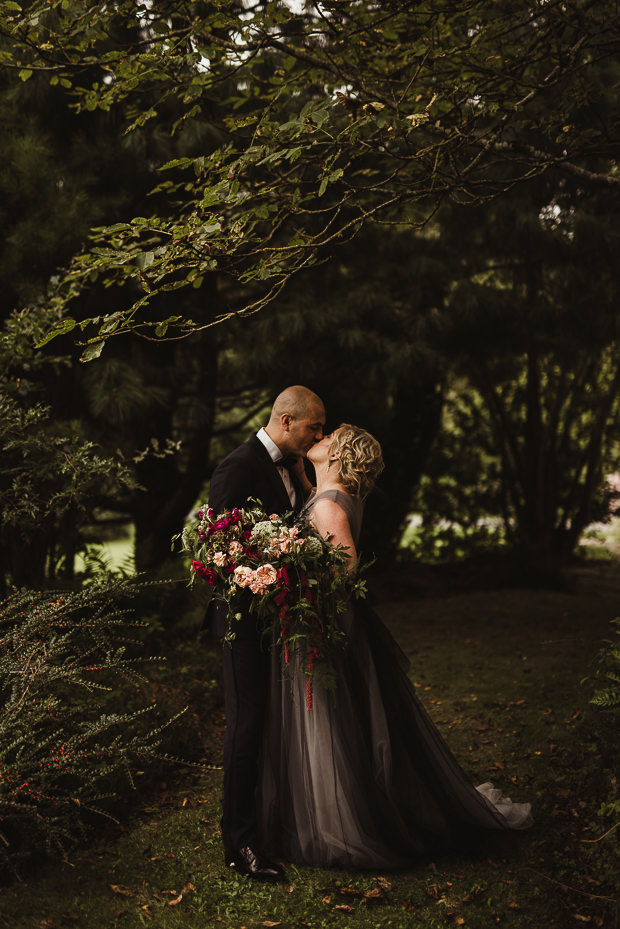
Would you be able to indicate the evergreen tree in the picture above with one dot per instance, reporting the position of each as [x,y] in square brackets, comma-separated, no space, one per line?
[531,320]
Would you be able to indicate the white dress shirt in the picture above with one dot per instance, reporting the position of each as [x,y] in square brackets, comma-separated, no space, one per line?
[276,455]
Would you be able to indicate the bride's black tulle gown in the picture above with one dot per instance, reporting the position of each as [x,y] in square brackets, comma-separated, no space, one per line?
[364,780]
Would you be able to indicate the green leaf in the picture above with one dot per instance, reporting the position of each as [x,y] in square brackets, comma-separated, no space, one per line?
[25,73]
[145,260]
[92,351]
[110,325]
[323,186]
[66,325]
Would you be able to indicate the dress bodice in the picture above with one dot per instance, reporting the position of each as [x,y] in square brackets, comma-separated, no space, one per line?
[352,506]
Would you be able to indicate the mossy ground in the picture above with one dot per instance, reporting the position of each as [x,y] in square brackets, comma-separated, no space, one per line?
[500,672]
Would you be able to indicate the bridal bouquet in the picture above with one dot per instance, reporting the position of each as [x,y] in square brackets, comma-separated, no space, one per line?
[296,581]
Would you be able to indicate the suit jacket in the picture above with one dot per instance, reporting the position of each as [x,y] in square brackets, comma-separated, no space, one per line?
[246,472]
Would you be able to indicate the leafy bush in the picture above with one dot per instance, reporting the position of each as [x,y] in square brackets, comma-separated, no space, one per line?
[460,495]
[607,697]
[63,753]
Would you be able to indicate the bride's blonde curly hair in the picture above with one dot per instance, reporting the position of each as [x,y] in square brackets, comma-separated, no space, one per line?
[360,459]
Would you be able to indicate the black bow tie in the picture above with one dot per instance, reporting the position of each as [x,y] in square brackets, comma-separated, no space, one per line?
[287,461]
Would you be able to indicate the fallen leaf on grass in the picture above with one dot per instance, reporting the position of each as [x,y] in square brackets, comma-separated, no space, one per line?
[349,891]
[374,895]
[147,911]
[384,883]
[177,900]
[269,923]
[344,907]
[408,905]
[583,919]
[326,899]
[121,889]
[473,893]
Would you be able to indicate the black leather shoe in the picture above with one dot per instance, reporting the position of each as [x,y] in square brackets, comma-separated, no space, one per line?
[248,861]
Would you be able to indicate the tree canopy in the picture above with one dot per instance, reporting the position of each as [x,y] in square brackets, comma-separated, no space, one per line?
[318,120]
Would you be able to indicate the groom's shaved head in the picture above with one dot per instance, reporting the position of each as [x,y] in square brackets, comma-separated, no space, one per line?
[296,401]
[297,420]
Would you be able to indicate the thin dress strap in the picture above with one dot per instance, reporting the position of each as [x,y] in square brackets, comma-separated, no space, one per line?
[351,505]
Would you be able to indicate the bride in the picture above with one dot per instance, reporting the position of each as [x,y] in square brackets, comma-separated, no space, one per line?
[364,780]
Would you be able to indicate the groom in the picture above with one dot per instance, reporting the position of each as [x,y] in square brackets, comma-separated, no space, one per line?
[268,467]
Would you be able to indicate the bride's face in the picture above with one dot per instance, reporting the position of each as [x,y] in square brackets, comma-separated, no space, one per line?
[319,453]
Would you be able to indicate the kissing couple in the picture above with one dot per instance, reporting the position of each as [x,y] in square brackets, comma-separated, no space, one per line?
[364,780]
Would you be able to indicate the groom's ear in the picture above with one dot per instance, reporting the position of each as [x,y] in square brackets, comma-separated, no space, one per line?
[285,421]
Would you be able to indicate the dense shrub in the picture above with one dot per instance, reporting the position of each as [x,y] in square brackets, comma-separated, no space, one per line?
[67,739]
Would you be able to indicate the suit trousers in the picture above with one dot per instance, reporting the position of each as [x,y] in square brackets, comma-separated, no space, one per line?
[245,668]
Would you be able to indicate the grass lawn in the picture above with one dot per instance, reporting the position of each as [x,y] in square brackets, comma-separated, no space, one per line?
[500,673]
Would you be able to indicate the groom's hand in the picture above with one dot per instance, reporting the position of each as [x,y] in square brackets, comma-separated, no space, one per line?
[298,469]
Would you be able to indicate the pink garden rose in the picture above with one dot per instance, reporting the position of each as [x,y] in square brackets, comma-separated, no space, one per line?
[235,549]
[220,559]
[263,578]
[243,576]
[267,574]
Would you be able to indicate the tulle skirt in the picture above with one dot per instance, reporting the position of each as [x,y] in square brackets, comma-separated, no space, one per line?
[364,780]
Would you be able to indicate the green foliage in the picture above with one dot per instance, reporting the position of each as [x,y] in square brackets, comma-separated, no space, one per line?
[320,120]
[51,471]
[607,696]
[63,750]
[605,848]
[459,497]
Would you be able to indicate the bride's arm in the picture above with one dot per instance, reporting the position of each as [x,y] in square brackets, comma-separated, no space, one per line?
[331,521]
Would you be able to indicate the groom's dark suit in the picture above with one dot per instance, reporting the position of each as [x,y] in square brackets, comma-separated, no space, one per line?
[246,472]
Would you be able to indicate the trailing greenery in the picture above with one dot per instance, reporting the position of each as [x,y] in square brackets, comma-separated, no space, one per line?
[65,736]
